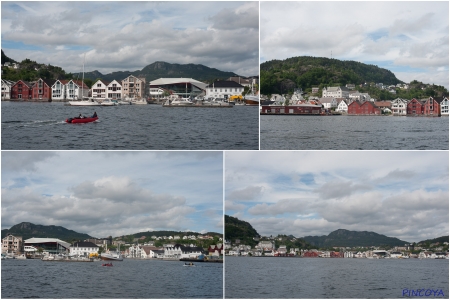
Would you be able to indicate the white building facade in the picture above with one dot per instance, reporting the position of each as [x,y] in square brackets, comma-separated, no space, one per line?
[99,89]
[399,106]
[114,90]
[223,89]
[83,249]
[6,89]
[336,92]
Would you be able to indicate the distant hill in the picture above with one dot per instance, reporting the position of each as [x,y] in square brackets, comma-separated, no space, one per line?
[30,70]
[436,240]
[28,230]
[162,69]
[346,238]
[171,233]
[308,71]
[283,76]
[238,229]
[7,59]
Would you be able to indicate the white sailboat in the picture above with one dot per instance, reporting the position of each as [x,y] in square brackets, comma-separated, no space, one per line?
[89,102]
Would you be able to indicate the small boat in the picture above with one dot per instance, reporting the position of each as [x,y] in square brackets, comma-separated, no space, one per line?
[107,265]
[82,120]
[112,255]
[108,102]
[189,265]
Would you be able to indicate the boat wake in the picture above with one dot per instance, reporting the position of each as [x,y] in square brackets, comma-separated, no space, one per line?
[35,123]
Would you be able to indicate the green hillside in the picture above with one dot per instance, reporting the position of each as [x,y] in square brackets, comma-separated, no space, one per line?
[237,229]
[283,76]
[164,70]
[30,71]
[28,230]
[440,240]
[346,238]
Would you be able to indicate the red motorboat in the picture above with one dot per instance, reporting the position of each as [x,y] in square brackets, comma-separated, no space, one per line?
[83,120]
[107,265]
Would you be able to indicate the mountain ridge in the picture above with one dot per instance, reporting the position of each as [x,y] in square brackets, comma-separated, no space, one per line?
[348,238]
[31,70]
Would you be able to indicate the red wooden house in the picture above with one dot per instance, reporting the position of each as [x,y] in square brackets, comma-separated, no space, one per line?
[364,108]
[336,254]
[432,107]
[21,90]
[414,107]
[216,250]
[310,254]
[42,89]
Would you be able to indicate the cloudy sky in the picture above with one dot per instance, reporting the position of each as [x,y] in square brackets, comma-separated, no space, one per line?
[127,36]
[408,38]
[402,194]
[114,193]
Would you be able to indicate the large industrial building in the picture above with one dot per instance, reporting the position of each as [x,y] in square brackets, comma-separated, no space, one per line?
[48,245]
[184,87]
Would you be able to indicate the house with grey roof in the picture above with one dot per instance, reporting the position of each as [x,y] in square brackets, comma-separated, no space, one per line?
[337,92]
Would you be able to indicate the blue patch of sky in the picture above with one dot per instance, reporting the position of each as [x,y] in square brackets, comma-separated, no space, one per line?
[376,35]
[19,45]
[78,47]
[282,179]
[20,182]
[12,6]
[307,179]
[389,65]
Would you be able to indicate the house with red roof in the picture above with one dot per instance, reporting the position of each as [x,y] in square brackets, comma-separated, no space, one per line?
[42,89]
[21,90]
[364,108]
[414,107]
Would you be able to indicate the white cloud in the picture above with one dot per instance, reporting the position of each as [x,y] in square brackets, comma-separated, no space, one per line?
[411,38]
[369,190]
[127,36]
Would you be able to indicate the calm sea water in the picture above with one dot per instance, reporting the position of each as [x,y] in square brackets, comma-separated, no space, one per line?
[252,277]
[41,126]
[34,278]
[354,133]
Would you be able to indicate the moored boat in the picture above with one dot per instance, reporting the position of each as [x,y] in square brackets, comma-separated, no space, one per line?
[251,100]
[112,255]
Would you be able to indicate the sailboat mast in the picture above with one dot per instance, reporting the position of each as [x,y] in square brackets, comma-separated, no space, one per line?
[82,81]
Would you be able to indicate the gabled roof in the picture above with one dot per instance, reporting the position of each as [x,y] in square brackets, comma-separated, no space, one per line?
[46,240]
[81,83]
[102,81]
[165,81]
[84,244]
[224,84]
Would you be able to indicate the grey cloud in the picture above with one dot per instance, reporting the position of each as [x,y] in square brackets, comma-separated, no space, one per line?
[122,190]
[248,193]
[340,188]
[26,160]
[298,206]
[228,19]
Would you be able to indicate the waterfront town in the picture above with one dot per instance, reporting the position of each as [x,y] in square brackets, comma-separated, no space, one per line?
[132,88]
[268,248]
[345,100]
[175,247]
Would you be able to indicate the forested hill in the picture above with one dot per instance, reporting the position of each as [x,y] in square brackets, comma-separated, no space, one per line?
[162,69]
[306,71]
[30,70]
[238,229]
[346,238]
[441,240]
[28,230]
